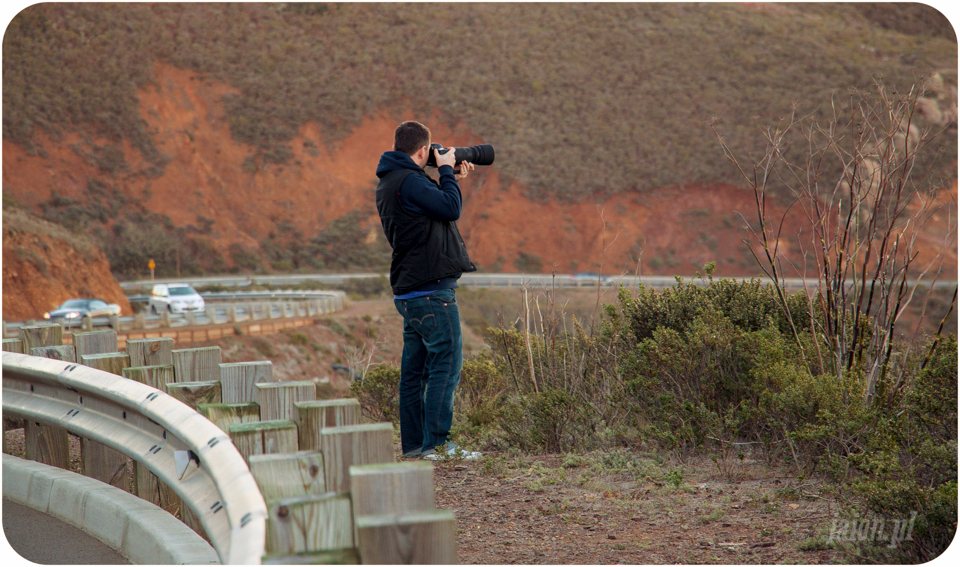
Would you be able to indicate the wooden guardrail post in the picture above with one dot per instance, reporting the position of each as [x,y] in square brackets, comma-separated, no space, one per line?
[150,352]
[392,488]
[277,399]
[414,538]
[47,334]
[312,416]
[264,437]
[95,342]
[196,364]
[47,444]
[10,424]
[195,393]
[312,523]
[288,475]
[237,380]
[112,362]
[156,376]
[151,363]
[96,459]
[224,415]
[146,485]
[62,352]
[352,445]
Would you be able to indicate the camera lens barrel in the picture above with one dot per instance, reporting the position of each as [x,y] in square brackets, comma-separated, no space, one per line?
[477,155]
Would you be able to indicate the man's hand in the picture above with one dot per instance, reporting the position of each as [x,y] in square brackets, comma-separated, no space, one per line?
[446,158]
[465,168]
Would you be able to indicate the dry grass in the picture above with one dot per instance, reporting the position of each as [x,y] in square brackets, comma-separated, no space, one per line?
[578,98]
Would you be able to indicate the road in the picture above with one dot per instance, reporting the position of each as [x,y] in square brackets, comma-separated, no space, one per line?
[36,537]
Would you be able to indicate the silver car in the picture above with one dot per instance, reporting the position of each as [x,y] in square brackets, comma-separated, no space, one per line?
[72,311]
[175,298]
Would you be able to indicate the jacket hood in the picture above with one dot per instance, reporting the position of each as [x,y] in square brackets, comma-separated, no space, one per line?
[394,160]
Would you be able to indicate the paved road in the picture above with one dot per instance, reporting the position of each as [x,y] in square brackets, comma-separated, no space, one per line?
[43,539]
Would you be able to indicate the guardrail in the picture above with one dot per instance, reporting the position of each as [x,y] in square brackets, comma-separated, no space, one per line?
[250,307]
[329,481]
[154,429]
[495,280]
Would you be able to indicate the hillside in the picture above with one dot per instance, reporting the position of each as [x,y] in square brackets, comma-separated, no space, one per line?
[43,265]
[243,137]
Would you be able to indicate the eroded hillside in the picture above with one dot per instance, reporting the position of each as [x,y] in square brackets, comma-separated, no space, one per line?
[43,265]
[184,143]
[208,188]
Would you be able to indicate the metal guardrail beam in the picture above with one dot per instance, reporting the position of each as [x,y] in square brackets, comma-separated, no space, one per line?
[219,304]
[149,426]
[493,280]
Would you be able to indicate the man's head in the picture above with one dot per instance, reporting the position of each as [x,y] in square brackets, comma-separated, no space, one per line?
[413,139]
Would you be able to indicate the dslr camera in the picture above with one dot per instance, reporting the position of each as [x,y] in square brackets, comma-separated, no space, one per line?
[477,155]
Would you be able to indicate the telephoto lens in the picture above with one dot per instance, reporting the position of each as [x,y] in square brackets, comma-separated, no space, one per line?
[477,155]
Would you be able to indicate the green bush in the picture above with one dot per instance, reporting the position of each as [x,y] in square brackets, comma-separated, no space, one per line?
[245,258]
[480,390]
[910,465]
[378,393]
[343,246]
[748,304]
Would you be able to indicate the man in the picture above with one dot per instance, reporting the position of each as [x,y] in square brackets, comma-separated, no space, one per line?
[419,218]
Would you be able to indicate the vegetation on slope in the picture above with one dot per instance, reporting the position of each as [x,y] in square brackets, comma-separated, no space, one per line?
[711,369]
[578,98]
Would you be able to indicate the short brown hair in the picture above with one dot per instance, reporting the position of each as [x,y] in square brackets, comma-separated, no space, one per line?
[410,137]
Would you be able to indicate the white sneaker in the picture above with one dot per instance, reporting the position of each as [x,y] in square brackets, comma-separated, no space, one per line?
[452,451]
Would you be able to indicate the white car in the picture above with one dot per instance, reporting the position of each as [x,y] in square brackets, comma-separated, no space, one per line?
[175,298]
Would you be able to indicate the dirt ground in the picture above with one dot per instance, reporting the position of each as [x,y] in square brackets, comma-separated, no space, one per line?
[543,510]
[624,509]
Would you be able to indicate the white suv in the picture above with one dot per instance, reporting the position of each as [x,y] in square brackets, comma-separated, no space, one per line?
[175,298]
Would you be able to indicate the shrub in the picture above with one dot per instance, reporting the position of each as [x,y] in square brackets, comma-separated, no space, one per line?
[343,245]
[748,304]
[245,258]
[480,390]
[378,393]
[528,263]
[910,465]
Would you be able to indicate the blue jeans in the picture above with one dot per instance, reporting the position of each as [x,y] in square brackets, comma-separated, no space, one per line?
[429,368]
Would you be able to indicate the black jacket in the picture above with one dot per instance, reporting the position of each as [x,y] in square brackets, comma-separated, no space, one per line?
[419,217]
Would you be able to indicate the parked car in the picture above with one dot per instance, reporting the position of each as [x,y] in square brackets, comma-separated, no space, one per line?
[175,298]
[72,311]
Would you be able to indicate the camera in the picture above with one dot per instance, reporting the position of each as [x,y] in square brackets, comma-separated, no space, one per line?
[477,155]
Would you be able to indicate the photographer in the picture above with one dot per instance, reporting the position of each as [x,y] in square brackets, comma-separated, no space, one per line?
[419,216]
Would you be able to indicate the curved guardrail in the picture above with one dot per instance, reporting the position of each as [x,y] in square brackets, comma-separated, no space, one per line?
[153,428]
[274,303]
